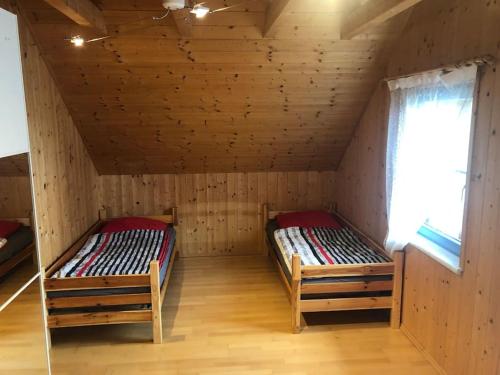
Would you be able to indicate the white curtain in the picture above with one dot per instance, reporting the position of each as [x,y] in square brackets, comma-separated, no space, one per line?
[424,111]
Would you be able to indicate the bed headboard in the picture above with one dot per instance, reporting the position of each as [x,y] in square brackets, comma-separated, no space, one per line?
[169,216]
[272,214]
[269,214]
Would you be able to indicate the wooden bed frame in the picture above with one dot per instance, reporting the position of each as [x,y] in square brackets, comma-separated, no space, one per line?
[89,283]
[296,288]
[28,251]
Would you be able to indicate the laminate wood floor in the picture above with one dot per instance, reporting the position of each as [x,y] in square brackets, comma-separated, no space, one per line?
[230,315]
[22,335]
[16,279]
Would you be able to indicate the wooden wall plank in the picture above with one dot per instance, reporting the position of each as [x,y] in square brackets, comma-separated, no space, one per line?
[15,197]
[218,213]
[453,318]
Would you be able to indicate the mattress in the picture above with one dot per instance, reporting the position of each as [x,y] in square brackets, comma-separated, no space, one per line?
[120,253]
[111,291]
[16,243]
[341,250]
[325,246]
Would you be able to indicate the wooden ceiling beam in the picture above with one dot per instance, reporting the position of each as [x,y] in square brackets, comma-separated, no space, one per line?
[183,21]
[274,13]
[373,13]
[83,12]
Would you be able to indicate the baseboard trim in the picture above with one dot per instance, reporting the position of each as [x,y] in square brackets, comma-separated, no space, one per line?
[422,350]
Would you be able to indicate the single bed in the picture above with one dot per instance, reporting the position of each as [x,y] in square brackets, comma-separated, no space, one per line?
[18,247]
[113,277]
[326,269]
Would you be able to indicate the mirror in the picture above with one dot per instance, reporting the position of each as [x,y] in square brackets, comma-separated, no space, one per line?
[18,256]
[13,119]
[22,334]
[23,340]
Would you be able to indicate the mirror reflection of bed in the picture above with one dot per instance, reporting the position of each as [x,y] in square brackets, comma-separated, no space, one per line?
[17,245]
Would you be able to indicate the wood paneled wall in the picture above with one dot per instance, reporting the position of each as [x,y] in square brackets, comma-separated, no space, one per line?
[15,188]
[64,176]
[219,213]
[360,191]
[455,319]
[15,197]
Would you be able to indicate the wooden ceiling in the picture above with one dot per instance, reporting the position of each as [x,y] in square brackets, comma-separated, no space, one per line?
[225,98]
[14,166]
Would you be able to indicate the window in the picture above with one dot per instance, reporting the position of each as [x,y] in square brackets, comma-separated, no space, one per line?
[443,222]
[428,157]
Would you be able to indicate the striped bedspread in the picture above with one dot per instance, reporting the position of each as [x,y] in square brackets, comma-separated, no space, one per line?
[323,246]
[120,253]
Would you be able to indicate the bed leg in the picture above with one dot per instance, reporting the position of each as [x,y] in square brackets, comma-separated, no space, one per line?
[49,339]
[397,289]
[156,302]
[174,216]
[45,310]
[295,297]
[34,257]
[265,218]
[268,247]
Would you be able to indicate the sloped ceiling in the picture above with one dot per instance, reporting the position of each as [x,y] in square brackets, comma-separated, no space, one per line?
[226,99]
[14,166]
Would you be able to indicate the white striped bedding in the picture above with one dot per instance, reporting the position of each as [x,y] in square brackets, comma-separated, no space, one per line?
[121,253]
[325,246]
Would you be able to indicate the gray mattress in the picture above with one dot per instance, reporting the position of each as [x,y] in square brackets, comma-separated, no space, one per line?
[16,243]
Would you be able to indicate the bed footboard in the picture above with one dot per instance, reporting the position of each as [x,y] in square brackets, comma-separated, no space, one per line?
[296,294]
[156,302]
[397,290]
[67,295]
[298,289]
[70,301]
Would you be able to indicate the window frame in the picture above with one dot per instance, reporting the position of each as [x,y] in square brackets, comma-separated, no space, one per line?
[441,239]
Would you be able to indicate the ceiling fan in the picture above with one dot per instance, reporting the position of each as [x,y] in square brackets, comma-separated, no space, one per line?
[198,9]
[183,9]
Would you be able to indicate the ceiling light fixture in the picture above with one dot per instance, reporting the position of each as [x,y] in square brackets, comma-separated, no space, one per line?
[200,11]
[77,41]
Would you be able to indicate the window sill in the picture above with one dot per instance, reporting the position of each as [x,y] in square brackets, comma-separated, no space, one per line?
[439,254]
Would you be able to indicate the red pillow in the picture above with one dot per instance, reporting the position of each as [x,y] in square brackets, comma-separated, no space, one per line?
[307,219]
[132,223]
[8,227]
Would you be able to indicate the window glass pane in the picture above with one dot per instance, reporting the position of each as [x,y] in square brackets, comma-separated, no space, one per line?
[440,130]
